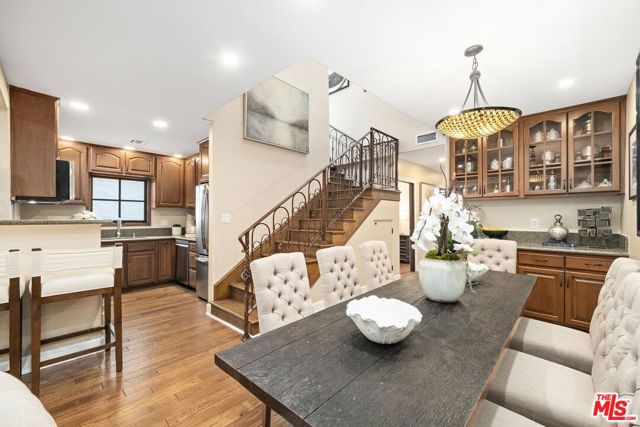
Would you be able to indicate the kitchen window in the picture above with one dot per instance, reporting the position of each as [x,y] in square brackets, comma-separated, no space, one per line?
[114,198]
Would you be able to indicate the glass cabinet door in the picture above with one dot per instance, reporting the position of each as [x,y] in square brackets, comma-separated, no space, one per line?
[594,163]
[465,167]
[500,172]
[545,159]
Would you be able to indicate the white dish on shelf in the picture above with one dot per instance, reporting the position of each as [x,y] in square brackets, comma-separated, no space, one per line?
[383,320]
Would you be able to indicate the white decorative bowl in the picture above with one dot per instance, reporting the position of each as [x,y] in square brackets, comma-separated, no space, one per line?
[475,270]
[383,320]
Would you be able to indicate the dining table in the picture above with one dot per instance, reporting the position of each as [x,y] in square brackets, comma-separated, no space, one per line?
[322,371]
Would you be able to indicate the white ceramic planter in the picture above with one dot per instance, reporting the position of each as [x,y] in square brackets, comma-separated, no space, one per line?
[383,320]
[442,281]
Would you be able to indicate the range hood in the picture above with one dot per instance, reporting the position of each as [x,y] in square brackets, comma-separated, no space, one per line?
[65,186]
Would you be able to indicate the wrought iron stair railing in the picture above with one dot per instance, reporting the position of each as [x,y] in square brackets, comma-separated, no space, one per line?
[313,208]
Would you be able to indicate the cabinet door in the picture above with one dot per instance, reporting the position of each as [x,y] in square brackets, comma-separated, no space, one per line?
[34,139]
[466,163]
[139,164]
[594,149]
[169,182]
[581,297]
[546,301]
[501,169]
[190,182]
[203,164]
[166,260]
[106,160]
[141,267]
[76,153]
[545,154]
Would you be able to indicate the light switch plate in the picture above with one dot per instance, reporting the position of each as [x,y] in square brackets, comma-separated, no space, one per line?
[226,218]
[535,223]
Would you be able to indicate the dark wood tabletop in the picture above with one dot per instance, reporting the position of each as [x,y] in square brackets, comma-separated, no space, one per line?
[321,371]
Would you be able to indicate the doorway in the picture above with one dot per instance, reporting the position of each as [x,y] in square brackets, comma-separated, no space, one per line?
[407,223]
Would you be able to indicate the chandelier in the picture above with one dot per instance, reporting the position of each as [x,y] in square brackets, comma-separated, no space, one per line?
[481,120]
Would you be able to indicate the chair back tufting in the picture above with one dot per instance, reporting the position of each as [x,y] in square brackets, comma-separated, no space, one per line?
[282,290]
[377,264]
[497,254]
[339,274]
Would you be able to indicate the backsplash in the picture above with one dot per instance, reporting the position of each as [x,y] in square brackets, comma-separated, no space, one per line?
[139,232]
[539,237]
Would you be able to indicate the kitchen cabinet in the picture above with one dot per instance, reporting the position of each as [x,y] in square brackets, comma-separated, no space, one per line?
[193,253]
[166,260]
[567,286]
[139,164]
[203,162]
[34,143]
[106,160]
[190,181]
[545,139]
[169,182]
[76,153]
[141,263]
[465,163]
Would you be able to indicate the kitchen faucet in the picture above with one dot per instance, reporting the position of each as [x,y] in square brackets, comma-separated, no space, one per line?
[119,225]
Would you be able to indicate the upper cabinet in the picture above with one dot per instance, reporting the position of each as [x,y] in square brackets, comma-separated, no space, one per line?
[594,148]
[34,143]
[137,163]
[190,166]
[169,182]
[545,140]
[106,160]
[466,162]
[500,163]
[203,164]
[76,154]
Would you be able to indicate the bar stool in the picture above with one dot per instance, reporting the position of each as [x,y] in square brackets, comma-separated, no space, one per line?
[71,274]
[11,290]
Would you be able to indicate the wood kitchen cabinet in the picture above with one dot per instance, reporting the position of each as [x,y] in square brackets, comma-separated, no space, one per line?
[190,181]
[169,182]
[166,260]
[567,286]
[139,164]
[34,143]
[141,264]
[466,161]
[106,160]
[203,163]
[545,154]
[76,153]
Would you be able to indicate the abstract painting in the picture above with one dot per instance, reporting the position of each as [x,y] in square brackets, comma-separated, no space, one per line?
[277,113]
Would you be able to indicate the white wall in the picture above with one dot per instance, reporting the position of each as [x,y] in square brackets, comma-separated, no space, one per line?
[5,150]
[629,206]
[248,178]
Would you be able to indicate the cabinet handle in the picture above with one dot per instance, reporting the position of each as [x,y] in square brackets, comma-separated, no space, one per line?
[564,184]
[593,264]
[541,260]
[570,183]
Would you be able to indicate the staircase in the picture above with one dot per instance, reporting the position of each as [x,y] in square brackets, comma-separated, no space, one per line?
[324,211]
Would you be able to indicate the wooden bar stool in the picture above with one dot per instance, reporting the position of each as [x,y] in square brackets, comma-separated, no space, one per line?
[72,274]
[11,290]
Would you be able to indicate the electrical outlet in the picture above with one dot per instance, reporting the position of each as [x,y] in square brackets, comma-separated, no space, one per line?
[535,223]
[226,218]
[164,222]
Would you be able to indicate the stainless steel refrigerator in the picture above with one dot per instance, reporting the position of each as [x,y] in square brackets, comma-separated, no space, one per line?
[202,241]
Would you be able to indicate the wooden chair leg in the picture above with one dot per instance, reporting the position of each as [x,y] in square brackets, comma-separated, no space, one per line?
[107,319]
[266,419]
[117,311]
[35,335]
[15,328]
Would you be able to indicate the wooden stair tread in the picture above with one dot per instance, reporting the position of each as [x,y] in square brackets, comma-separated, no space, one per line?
[338,219]
[296,242]
[236,308]
[307,230]
[355,208]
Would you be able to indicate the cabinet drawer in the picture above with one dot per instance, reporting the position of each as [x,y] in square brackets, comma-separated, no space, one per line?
[192,278]
[141,246]
[193,247]
[192,260]
[589,263]
[540,259]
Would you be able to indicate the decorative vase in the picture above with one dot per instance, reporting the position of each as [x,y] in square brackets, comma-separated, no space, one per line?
[442,281]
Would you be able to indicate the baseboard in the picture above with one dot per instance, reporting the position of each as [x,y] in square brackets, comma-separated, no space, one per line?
[222,322]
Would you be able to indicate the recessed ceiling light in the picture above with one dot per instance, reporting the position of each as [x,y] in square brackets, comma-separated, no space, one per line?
[67,138]
[230,59]
[161,124]
[454,111]
[566,83]
[78,105]
[441,159]
[178,156]
[129,147]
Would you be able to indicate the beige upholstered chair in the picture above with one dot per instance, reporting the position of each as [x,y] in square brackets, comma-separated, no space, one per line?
[553,394]
[19,407]
[568,346]
[491,415]
[377,264]
[339,274]
[282,290]
[497,254]
[62,275]
[11,290]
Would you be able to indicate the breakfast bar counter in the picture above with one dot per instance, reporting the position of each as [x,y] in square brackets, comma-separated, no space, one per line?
[321,370]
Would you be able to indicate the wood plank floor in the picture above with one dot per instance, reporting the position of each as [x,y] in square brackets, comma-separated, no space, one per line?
[168,379]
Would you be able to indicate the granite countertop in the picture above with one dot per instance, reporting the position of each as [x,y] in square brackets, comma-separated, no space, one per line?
[583,250]
[143,238]
[51,221]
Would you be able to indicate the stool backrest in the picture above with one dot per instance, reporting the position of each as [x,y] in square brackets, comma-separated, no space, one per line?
[10,264]
[56,261]
[339,274]
[497,254]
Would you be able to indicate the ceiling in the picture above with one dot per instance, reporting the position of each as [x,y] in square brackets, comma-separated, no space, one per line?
[137,61]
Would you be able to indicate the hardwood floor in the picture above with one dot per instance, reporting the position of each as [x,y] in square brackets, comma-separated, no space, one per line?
[169,378]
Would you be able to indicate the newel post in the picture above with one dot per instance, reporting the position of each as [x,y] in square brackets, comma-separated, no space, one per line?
[371,157]
[324,202]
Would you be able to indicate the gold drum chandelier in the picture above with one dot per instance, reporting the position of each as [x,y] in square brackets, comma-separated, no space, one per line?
[481,120]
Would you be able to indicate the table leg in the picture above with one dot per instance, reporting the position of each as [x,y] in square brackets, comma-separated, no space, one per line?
[266,420]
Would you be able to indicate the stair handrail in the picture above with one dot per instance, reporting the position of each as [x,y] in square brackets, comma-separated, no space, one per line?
[339,142]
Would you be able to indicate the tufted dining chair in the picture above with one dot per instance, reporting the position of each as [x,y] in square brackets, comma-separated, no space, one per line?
[498,255]
[282,291]
[11,290]
[339,274]
[377,264]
